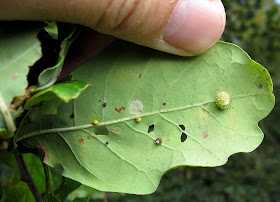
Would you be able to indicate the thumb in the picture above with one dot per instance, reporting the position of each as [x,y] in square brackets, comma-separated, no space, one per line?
[181,27]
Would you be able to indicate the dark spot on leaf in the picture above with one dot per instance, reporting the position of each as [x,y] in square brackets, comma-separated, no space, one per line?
[14,76]
[119,110]
[164,104]
[158,140]
[104,104]
[182,127]
[151,128]
[205,134]
[139,76]
[106,143]
[81,141]
[99,100]
[260,86]
[183,137]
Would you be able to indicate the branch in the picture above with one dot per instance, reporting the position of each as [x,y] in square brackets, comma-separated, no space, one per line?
[26,177]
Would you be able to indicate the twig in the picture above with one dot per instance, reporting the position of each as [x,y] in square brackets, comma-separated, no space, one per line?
[26,177]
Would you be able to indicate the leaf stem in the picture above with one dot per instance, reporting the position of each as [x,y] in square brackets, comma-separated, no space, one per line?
[26,177]
[11,128]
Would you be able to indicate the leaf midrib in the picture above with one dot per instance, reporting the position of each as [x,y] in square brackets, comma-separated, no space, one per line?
[55,130]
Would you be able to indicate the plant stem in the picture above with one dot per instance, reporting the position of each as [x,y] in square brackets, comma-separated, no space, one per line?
[10,125]
[26,177]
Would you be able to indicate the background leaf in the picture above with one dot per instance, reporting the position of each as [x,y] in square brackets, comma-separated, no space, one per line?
[178,98]
[49,76]
[14,188]
[49,96]
[20,49]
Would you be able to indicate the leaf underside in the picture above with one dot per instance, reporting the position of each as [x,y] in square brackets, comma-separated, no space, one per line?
[19,49]
[174,96]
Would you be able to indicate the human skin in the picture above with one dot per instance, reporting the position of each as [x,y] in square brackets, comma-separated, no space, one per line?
[181,27]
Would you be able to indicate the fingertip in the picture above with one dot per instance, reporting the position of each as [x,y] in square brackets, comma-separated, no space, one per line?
[195,25]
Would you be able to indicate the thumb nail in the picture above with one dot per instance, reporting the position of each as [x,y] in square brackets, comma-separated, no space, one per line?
[195,25]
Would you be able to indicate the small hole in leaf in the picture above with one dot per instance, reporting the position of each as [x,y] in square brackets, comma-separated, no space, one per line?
[151,128]
[182,127]
[183,137]
[100,130]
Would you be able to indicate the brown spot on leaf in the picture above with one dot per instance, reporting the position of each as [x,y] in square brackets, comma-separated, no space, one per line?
[260,86]
[117,128]
[119,110]
[46,152]
[14,76]
[205,134]
[106,143]
[99,100]
[158,140]
[246,138]
[13,107]
[81,141]
[139,76]
[164,104]
[104,104]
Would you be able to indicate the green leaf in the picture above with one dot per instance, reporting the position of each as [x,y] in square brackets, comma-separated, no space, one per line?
[50,97]
[20,49]
[13,183]
[52,29]
[181,124]
[85,191]
[65,188]
[49,76]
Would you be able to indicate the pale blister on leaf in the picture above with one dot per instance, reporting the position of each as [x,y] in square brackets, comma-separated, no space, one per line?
[181,124]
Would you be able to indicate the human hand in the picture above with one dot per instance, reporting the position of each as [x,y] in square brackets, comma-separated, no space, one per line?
[181,27]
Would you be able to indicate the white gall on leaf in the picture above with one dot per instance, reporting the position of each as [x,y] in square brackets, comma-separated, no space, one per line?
[222,100]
